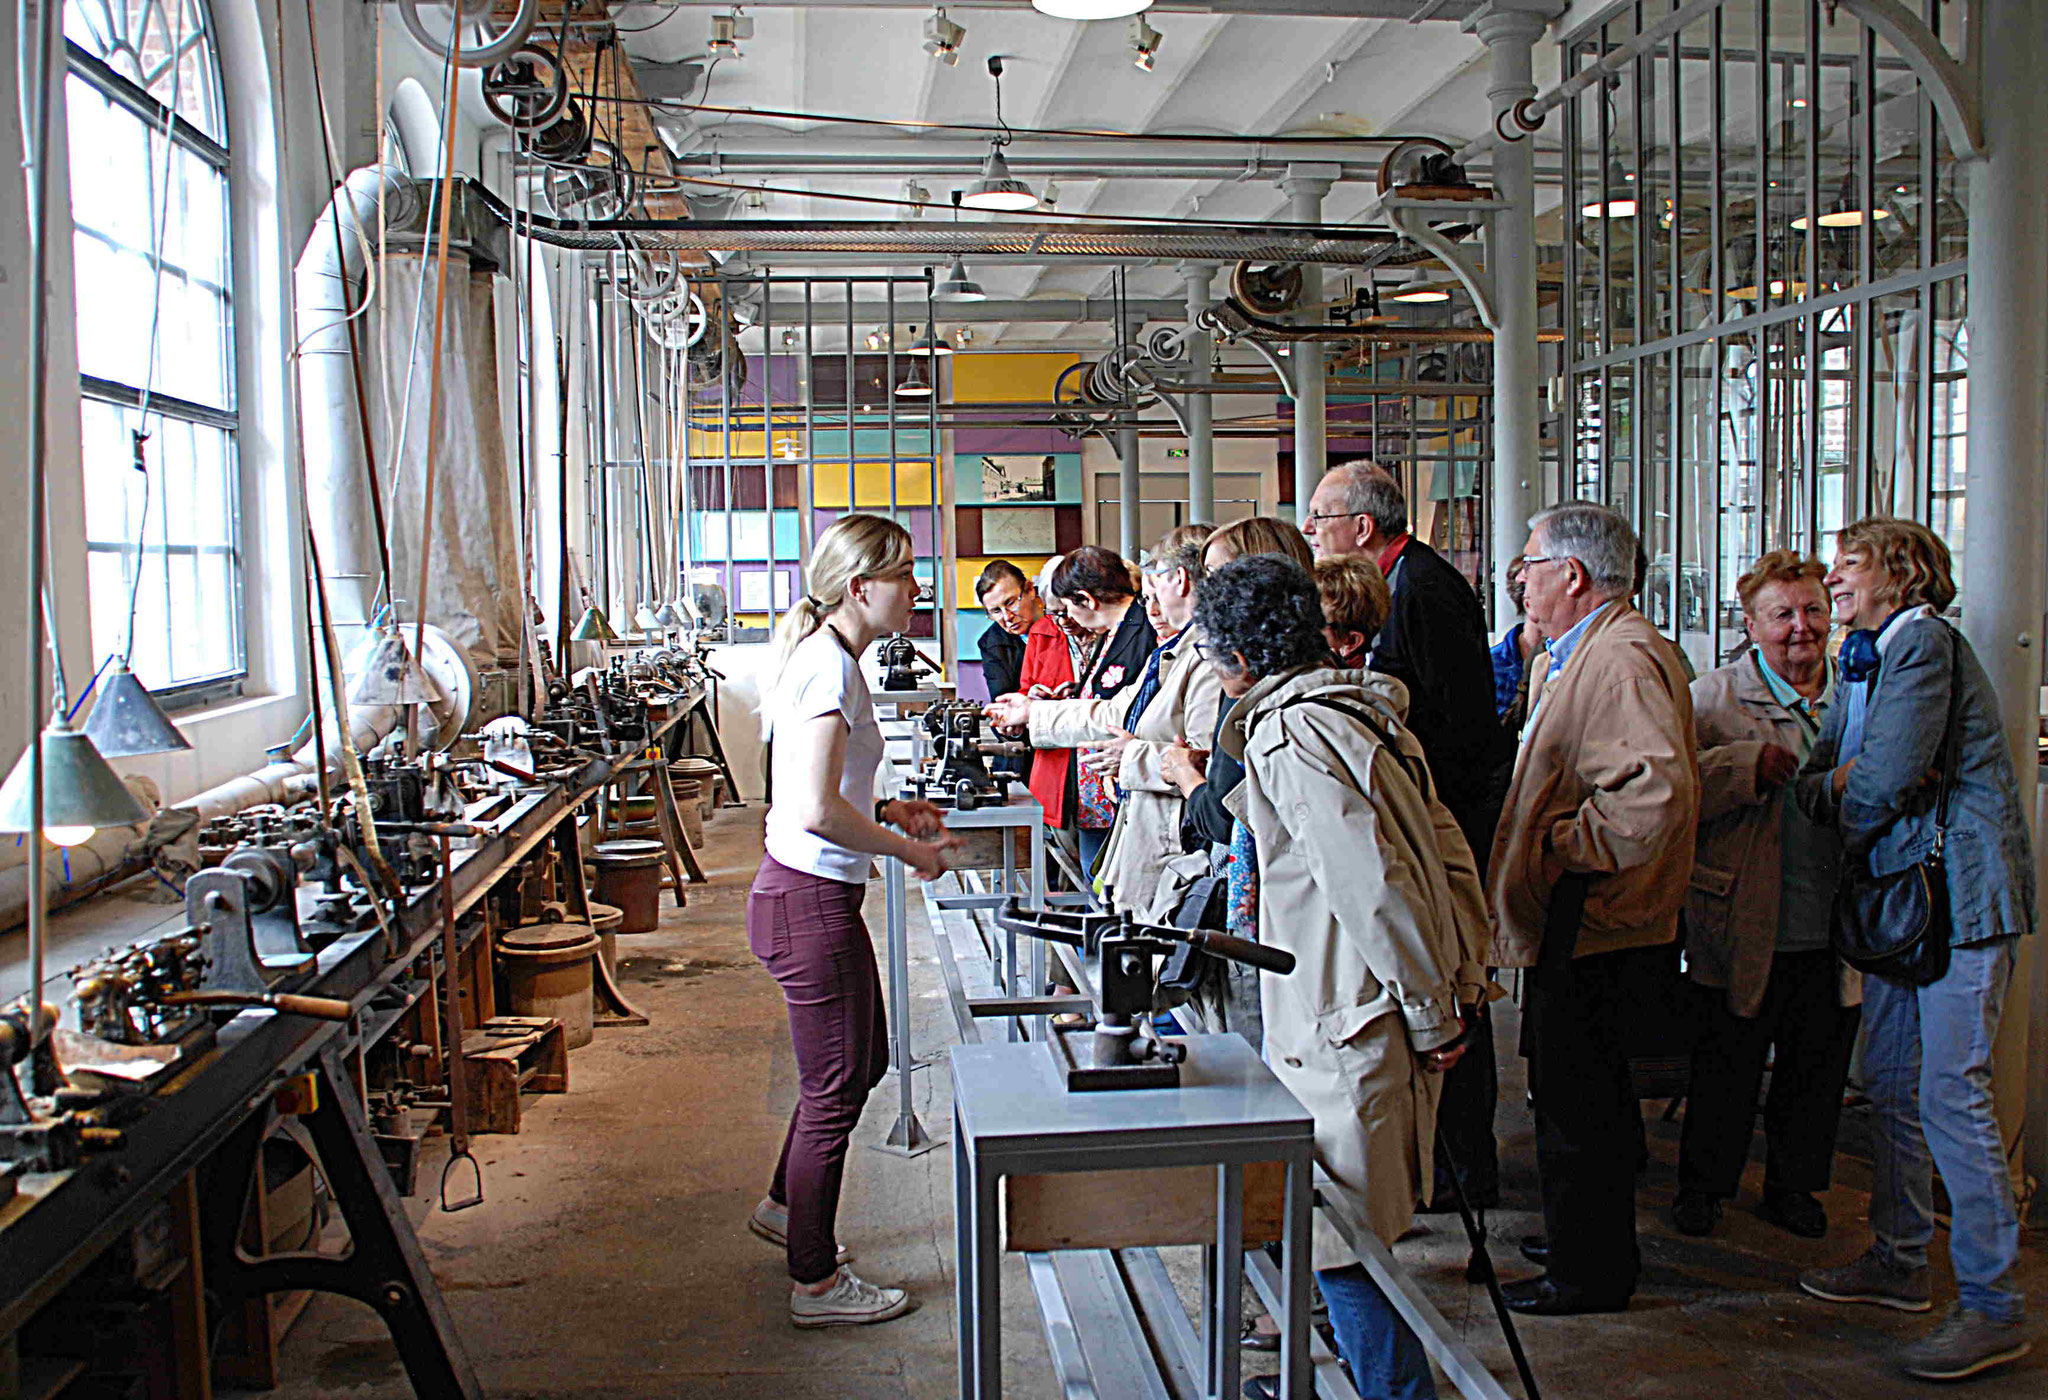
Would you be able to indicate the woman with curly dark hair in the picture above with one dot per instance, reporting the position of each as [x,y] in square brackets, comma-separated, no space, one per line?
[1377,897]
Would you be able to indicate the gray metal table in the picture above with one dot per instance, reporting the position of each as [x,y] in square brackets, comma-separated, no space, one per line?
[1012,1116]
[907,1137]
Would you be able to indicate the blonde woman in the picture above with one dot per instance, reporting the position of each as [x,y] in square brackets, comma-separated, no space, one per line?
[803,913]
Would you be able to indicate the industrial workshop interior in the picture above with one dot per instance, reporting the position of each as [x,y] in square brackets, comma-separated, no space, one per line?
[1089,699]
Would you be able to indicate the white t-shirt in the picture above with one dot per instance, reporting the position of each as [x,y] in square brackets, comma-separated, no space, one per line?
[822,679]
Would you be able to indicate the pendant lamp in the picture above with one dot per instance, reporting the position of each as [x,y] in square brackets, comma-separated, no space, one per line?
[81,793]
[914,385]
[998,190]
[958,286]
[644,618]
[1090,9]
[592,627]
[929,342]
[670,618]
[126,721]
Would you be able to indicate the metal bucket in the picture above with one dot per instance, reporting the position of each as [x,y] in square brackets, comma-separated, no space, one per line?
[629,878]
[547,973]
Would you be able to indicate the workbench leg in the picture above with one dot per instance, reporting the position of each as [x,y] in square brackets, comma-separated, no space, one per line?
[963,1267]
[1225,1308]
[1296,1379]
[384,1267]
[188,1295]
[988,1285]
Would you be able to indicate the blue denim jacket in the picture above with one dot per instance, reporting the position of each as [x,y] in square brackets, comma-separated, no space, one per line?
[1886,812]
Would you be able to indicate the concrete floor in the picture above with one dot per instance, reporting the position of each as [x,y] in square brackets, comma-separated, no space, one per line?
[611,1257]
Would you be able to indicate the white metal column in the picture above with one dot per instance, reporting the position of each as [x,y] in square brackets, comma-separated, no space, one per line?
[2005,573]
[1516,484]
[1201,285]
[1128,488]
[1305,187]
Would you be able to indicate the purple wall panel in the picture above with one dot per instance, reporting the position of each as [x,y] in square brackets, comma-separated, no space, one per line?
[969,440]
[972,686]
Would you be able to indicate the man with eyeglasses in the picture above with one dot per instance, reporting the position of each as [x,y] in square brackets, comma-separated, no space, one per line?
[1012,604]
[1434,642]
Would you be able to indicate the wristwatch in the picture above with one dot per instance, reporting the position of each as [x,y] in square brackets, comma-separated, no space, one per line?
[881,805]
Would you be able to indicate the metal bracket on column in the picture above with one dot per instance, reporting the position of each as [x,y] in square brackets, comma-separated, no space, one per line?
[384,1267]
[1957,100]
[1410,217]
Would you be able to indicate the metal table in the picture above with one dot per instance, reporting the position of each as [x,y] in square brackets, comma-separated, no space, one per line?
[908,1137]
[1012,1116]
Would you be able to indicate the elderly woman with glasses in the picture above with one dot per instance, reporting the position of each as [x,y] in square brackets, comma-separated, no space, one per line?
[1915,702]
[1367,880]
[1126,734]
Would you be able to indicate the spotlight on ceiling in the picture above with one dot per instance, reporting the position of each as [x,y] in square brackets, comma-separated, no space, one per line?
[1090,9]
[963,336]
[1145,41]
[958,286]
[942,38]
[727,31]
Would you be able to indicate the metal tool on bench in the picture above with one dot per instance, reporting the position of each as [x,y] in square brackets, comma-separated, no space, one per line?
[1120,1050]
[902,663]
[961,777]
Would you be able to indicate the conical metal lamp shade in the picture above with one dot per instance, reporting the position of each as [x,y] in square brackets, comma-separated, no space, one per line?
[927,344]
[391,676]
[998,189]
[668,617]
[914,385]
[126,720]
[644,618]
[958,286]
[592,627]
[79,789]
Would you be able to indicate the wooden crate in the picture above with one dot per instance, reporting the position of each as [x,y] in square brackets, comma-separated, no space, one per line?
[1127,1209]
[508,1055]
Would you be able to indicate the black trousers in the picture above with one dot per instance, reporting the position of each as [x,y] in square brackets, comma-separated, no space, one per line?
[1464,1114]
[1589,1129]
[1802,1017]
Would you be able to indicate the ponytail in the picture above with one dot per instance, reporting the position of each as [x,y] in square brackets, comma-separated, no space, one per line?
[855,546]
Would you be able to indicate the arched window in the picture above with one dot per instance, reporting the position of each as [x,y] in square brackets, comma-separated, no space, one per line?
[156,342]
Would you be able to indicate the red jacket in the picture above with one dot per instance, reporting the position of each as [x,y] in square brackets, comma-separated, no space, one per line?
[1047,662]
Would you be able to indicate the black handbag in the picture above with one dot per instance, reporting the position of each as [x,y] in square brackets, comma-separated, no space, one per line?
[1897,926]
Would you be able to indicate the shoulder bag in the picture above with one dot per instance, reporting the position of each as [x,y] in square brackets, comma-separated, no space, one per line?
[1897,926]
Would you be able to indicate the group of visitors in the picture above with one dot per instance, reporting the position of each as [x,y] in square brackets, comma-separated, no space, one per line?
[1304,720]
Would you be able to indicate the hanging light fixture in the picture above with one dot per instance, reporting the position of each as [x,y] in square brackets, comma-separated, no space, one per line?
[644,617]
[1090,9]
[126,721]
[1616,201]
[958,286]
[929,343]
[997,190]
[592,627]
[1846,212]
[81,794]
[392,675]
[669,618]
[914,385]
[1419,289]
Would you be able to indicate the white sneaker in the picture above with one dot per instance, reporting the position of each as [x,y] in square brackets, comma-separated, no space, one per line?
[849,1302]
[771,1222]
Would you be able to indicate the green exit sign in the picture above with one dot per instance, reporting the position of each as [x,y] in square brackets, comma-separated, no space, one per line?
[1173,452]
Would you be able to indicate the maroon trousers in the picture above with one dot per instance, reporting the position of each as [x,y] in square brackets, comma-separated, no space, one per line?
[807,931]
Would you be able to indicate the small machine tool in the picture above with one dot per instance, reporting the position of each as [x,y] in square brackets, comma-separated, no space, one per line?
[1119,1051]
[961,749]
[902,663]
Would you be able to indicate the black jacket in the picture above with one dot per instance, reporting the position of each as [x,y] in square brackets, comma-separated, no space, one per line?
[1122,660]
[1435,644]
[1002,661]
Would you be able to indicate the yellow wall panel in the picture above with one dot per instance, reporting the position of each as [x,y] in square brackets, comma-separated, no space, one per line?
[968,570]
[871,485]
[999,378]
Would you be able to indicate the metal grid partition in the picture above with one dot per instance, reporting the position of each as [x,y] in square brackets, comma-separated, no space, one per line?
[1764,256]
[809,428]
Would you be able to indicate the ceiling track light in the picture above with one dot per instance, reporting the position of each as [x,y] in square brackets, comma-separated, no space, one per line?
[1145,42]
[727,30]
[942,37]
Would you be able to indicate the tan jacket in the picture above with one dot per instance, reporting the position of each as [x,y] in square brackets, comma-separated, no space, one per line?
[1606,784]
[1371,886]
[1731,909]
[1146,833]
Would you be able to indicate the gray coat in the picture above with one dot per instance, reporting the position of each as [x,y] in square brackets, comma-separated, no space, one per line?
[1886,813]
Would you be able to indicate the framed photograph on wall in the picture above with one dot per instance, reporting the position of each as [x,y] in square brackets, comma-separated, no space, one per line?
[1019,530]
[1026,476]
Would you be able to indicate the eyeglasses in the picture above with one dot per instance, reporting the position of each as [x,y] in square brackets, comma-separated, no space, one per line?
[1317,516]
[1529,561]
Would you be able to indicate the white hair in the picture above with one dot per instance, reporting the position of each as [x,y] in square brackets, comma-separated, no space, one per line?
[1600,539]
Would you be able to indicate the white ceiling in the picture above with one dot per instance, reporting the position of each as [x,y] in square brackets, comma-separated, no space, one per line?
[1227,74]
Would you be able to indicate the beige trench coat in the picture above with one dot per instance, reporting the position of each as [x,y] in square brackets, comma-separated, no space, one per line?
[1731,909]
[1371,886]
[1146,833]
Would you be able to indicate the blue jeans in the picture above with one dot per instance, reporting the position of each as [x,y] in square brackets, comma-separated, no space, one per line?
[1383,1352]
[1091,842]
[1927,1068]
